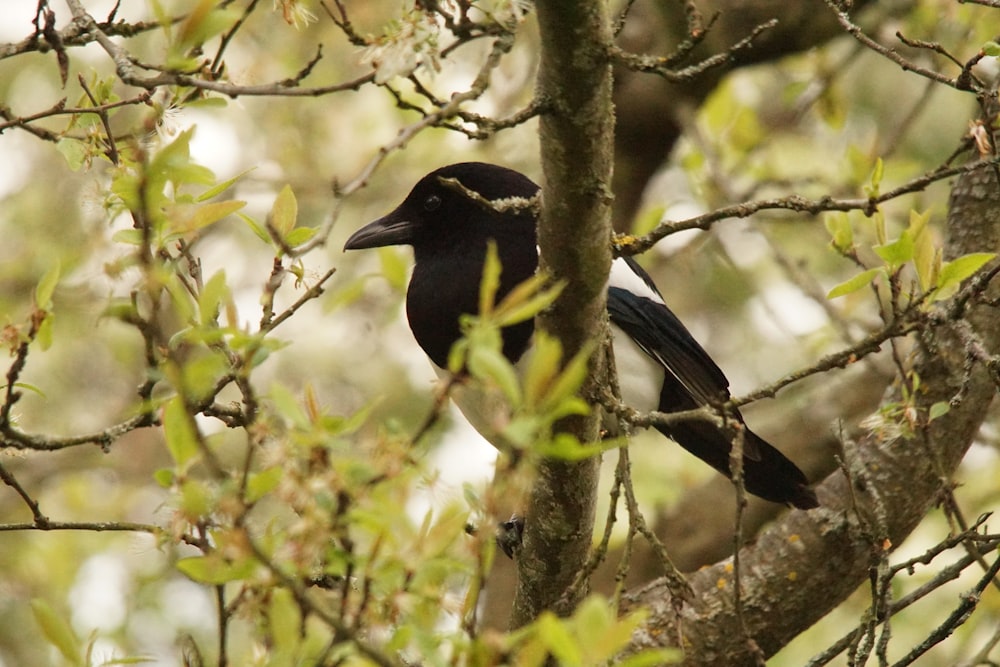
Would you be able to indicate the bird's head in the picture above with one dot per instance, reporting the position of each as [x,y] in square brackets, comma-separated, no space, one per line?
[446,204]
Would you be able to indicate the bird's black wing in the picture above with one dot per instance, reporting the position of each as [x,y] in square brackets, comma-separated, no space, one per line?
[691,380]
[646,319]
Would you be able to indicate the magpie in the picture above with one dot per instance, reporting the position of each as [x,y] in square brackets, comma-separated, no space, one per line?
[660,365]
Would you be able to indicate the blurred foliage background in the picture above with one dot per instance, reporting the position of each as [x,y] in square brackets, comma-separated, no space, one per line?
[752,291]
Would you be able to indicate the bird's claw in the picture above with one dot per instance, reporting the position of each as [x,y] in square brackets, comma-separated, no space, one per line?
[510,534]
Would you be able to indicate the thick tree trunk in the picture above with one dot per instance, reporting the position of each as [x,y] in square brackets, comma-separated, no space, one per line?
[574,233]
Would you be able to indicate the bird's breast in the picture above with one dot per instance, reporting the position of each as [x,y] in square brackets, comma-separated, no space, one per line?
[442,290]
[433,309]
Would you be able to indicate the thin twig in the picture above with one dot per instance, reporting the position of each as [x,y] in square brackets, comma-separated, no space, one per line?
[92,526]
[663,67]
[633,245]
[313,292]
[859,34]
[12,437]
[956,618]
[112,151]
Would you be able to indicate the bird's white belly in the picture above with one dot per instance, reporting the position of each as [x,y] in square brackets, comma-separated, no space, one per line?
[485,407]
[640,378]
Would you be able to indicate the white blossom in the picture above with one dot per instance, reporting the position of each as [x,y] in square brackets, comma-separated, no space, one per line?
[410,43]
[295,13]
[504,12]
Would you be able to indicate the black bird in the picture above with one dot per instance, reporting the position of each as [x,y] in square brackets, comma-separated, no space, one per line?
[660,365]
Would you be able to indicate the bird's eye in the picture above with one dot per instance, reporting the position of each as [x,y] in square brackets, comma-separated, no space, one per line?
[432,203]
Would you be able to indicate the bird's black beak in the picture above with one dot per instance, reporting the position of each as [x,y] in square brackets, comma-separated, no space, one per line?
[386,231]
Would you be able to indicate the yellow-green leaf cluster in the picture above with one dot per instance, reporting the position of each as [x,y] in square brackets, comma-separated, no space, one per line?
[593,635]
[914,249]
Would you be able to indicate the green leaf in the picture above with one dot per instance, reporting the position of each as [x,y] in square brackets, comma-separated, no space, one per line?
[436,537]
[173,163]
[286,620]
[857,164]
[208,102]
[349,424]
[284,212]
[566,447]
[541,367]
[853,284]
[125,185]
[212,295]
[648,219]
[527,300]
[488,363]
[394,268]
[73,151]
[58,631]
[223,186]
[558,640]
[939,409]
[203,23]
[571,377]
[46,287]
[27,387]
[215,570]
[196,499]
[299,235]
[256,228]
[839,227]
[523,431]
[260,484]
[44,334]
[208,214]
[287,405]
[957,270]
[924,251]
[165,477]
[745,130]
[693,160]
[918,222]
[878,220]
[181,438]
[346,293]
[872,190]
[593,617]
[832,108]
[602,635]
[991,48]
[898,252]
[491,279]
[180,299]
[456,356]
[129,236]
[128,660]
[653,658]
[201,374]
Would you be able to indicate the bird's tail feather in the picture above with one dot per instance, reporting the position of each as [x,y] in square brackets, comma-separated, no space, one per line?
[766,472]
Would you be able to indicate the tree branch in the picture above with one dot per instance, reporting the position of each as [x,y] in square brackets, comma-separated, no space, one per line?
[633,245]
[894,481]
